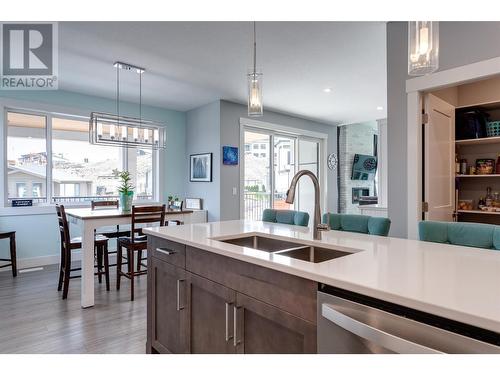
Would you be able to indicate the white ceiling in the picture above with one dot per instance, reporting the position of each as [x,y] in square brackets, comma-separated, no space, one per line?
[189,64]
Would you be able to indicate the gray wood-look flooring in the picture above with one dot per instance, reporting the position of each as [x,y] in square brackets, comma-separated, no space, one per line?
[34,318]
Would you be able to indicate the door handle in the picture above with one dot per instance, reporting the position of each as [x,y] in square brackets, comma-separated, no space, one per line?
[165,251]
[235,325]
[375,335]
[179,307]
[227,322]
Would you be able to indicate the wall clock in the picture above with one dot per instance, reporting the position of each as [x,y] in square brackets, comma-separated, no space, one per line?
[332,161]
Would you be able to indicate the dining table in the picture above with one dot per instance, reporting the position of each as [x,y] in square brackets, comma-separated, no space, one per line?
[88,221]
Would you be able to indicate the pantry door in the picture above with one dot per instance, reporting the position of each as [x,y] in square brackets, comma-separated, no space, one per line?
[439,159]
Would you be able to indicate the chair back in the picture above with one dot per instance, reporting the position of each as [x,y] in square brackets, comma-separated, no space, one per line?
[146,215]
[486,236]
[104,204]
[378,226]
[63,228]
[286,217]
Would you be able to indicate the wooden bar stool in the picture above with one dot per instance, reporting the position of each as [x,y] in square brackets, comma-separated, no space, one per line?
[13,262]
[137,242]
[69,244]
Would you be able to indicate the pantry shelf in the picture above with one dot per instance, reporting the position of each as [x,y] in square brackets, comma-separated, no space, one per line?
[478,141]
[477,175]
[480,212]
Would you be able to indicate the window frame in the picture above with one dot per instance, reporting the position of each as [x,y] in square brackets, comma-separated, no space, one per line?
[49,115]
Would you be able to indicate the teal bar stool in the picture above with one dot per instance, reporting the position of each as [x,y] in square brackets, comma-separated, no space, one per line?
[485,236]
[285,217]
[378,226]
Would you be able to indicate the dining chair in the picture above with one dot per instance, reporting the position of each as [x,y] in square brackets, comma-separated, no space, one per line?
[12,260]
[69,244]
[286,217]
[378,226]
[117,233]
[137,241]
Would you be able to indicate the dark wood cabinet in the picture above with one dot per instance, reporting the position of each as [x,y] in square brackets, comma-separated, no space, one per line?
[264,329]
[211,316]
[215,304]
[168,310]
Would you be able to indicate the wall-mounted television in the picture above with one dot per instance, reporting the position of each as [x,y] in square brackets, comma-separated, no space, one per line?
[364,167]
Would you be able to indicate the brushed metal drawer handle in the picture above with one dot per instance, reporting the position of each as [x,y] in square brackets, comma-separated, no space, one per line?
[227,321]
[235,325]
[179,307]
[166,251]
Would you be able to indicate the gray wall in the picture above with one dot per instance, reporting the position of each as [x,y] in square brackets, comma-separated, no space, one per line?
[230,114]
[460,43]
[203,135]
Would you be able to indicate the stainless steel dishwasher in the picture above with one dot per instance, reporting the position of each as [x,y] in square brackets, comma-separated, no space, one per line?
[365,325]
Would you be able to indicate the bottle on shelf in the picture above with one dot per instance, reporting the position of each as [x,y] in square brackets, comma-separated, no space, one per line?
[457,164]
[489,198]
[497,166]
[481,203]
[463,166]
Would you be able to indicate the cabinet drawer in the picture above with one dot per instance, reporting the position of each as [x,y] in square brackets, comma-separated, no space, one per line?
[287,292]
[168,251]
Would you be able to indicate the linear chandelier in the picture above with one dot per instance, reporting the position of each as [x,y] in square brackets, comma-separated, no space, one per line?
[124,131]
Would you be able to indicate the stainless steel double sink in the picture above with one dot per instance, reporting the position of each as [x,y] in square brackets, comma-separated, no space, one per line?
[290,249]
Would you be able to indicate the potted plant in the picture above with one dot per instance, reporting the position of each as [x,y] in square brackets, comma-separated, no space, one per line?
[126,190]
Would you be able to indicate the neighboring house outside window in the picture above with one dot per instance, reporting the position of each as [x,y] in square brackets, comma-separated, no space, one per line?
[81,171]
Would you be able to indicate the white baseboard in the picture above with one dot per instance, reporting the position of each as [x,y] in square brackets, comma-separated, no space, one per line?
[45,260]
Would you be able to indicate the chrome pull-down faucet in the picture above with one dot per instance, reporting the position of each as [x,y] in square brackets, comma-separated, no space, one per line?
[290,197]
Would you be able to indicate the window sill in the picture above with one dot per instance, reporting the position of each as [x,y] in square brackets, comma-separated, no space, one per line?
[49,209]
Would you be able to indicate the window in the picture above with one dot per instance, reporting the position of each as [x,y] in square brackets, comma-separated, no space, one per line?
[263,146]
[80,171]
[79,168]
[37,189]
[255,147]
[21,189]
[26,156]
[267,179]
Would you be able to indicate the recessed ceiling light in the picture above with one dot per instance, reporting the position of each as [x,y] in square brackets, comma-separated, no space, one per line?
[327,90]
[379,108]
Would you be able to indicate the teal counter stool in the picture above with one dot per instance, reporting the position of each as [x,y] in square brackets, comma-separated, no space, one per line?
[378,226]
[485,236]
[286,217]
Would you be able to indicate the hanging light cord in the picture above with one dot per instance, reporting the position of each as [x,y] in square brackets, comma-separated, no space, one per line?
[118,92]
[254,50]
[140,97]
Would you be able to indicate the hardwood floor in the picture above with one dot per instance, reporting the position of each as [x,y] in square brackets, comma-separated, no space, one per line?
[34,318]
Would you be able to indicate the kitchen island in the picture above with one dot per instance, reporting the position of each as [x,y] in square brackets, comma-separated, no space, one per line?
[224,259]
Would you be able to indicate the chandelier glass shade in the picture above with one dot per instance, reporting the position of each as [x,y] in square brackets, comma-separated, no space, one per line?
[111,129]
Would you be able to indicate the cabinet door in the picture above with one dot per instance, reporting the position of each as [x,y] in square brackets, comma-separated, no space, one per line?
[211,316]
[169,329]
[439,189]
[262,328]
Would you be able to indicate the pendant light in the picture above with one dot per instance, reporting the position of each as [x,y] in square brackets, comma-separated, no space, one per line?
[423,47]
[124,131]
[255,106]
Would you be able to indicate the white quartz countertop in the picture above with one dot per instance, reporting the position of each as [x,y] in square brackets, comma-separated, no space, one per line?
[456,282]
